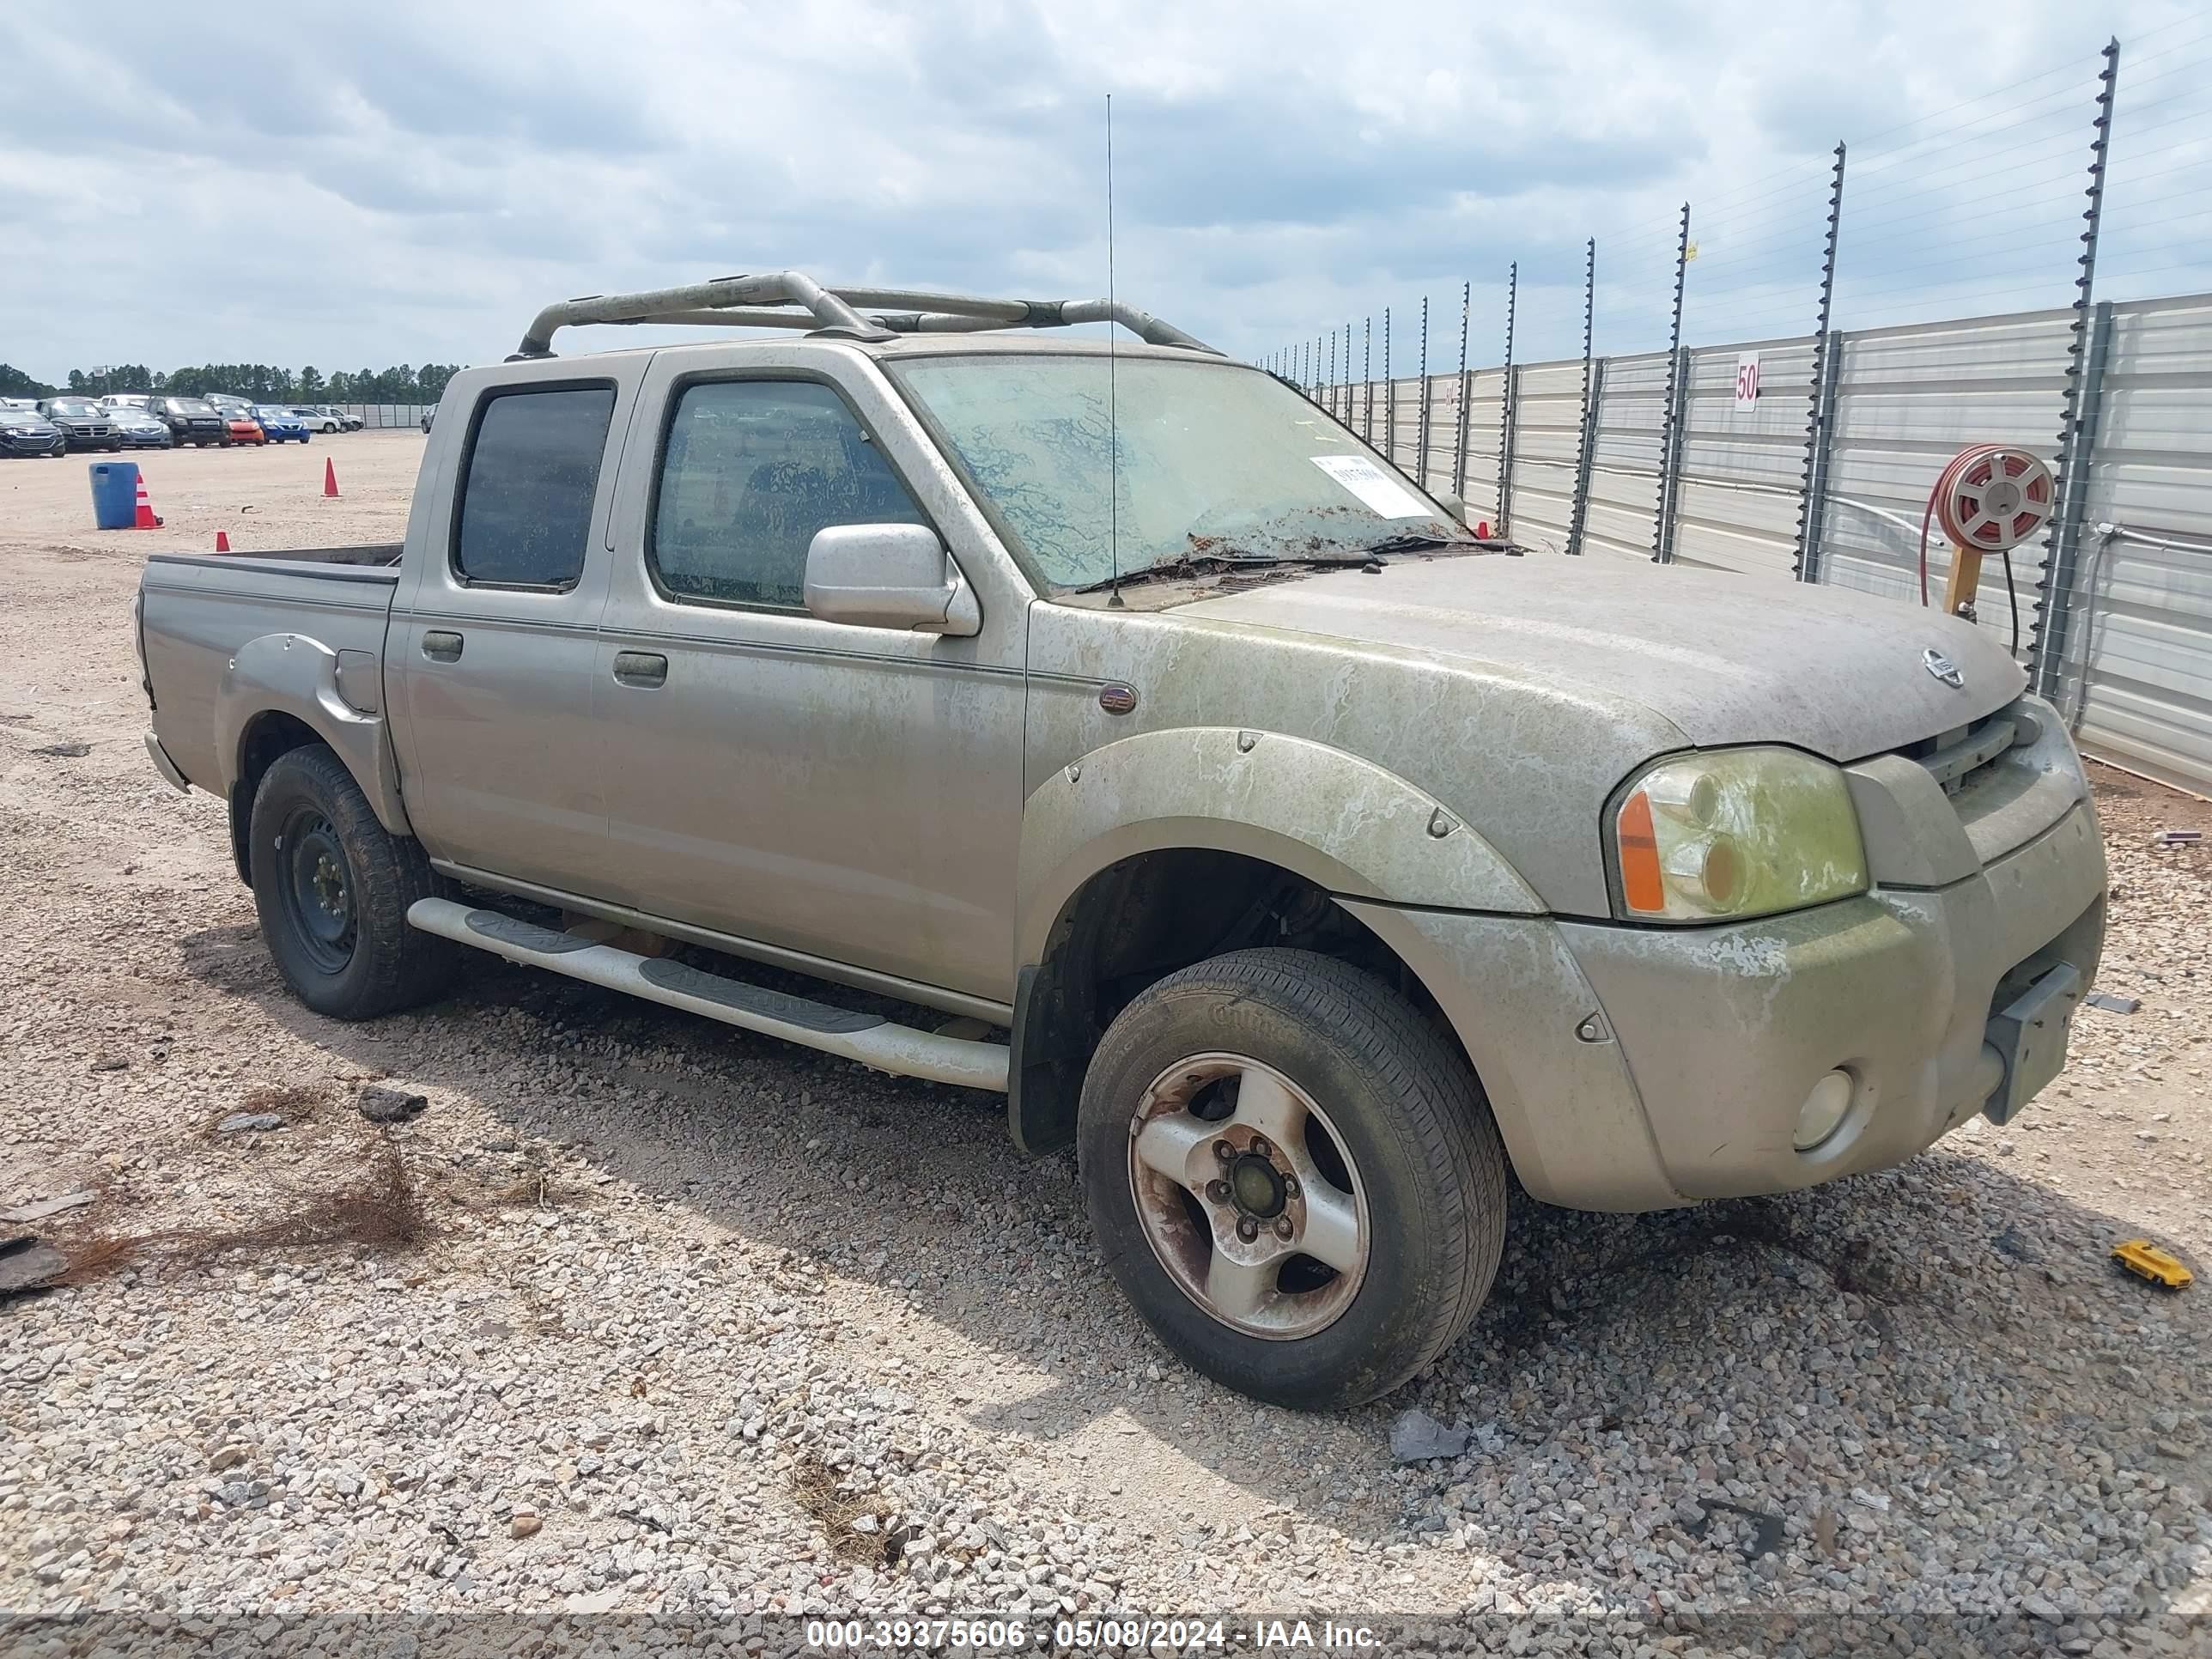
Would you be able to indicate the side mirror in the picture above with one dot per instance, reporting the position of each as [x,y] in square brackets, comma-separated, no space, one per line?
[1456,507]
[887,576]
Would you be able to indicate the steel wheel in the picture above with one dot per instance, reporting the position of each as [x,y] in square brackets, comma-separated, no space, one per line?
[316,890]
[1245,1193]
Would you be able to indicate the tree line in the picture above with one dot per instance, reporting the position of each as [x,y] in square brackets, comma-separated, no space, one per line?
[259,381]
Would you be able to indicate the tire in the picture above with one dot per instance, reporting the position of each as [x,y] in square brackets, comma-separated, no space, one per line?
[355,959]
[1413,1137]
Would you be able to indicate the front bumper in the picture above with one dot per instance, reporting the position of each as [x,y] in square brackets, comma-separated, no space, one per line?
[145,440]
[1633,1068]
[16,444]
[1726,1030]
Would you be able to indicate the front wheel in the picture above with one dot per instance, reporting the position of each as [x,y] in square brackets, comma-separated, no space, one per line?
[1292,1176]
[331,886]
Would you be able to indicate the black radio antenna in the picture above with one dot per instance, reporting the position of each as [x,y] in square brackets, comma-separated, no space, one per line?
[1113,387]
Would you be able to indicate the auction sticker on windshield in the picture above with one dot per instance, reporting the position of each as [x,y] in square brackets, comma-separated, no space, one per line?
[1375,487]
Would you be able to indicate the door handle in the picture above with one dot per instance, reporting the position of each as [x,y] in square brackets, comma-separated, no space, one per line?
[642,668]
[440,646]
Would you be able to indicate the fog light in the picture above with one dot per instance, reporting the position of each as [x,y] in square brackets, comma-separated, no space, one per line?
[1823,1110]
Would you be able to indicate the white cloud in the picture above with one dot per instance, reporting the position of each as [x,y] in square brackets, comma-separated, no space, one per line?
[410,182]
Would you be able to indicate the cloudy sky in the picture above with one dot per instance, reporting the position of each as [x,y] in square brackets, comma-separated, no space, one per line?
[403,182]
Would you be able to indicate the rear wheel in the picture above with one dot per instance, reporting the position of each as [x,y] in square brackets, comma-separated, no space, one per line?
[1292,1177]
[331,886]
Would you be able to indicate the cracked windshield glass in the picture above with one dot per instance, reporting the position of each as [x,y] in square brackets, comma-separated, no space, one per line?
[1219,466]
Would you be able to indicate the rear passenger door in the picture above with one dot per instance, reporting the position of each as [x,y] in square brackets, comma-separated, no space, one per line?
[490,654]
[848,793]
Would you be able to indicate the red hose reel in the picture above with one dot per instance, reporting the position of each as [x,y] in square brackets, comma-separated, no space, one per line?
[1992,497]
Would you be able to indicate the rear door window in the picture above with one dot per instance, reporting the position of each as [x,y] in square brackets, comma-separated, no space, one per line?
[531,472]
[751,470]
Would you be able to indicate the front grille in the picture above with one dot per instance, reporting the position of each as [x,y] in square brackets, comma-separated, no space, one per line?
[1956,758]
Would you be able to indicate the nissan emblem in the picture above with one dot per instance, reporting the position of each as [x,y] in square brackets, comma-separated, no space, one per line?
[1943,669]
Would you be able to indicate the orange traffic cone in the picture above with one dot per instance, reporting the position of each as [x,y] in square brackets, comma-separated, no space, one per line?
[222,541]
[145,520]
[330,477]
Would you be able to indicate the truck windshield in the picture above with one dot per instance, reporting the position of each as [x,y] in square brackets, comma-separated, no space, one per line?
[1215,462]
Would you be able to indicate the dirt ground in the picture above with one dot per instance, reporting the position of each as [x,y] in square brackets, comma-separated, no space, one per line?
[645,1313]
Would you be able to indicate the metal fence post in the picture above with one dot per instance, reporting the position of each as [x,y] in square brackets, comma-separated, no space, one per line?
[1812,489]
[1816,508]
[1589,403]
[1680,370]
[2055,592]
[1669,435]
[1421,439]
[2049,658]
[1466,395]
[1509,407]
[1586,463]
[1389,397]
[1367,381]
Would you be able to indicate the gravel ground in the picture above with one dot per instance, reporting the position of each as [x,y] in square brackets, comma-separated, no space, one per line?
[641,1313]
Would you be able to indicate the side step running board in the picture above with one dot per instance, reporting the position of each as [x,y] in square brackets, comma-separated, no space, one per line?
[869,1038]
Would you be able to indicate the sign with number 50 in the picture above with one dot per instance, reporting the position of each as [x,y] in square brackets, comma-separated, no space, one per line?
[1746,380]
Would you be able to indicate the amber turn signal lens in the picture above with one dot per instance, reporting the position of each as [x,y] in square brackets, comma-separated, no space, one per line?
[1642,887]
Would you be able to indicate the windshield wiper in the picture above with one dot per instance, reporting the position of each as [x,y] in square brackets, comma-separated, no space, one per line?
[1415,542]
[1192,564]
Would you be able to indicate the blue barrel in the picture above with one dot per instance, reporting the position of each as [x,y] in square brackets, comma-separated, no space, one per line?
[115,494]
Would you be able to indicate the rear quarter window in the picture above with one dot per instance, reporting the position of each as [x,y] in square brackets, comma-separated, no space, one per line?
[532,469]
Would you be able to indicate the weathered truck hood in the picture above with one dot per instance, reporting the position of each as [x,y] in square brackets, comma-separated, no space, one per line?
[1725,659]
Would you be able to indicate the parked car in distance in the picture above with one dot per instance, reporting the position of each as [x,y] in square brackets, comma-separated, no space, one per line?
[228,403]
[129,400]
[327,417]
[241,428]
[139,428]
[280,426]
[24,431]
[191,421]
[1333,871]
[84,424]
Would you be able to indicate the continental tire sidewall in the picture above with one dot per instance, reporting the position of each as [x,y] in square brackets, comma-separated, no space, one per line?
[1410,1118]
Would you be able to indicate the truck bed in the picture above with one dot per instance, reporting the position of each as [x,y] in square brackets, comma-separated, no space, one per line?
[366,553]
[199,612]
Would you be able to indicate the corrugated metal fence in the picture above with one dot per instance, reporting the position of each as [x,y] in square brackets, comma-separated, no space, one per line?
[2128,643]
[374,415]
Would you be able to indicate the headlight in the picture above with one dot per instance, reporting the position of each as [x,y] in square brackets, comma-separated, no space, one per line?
[1737,832]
